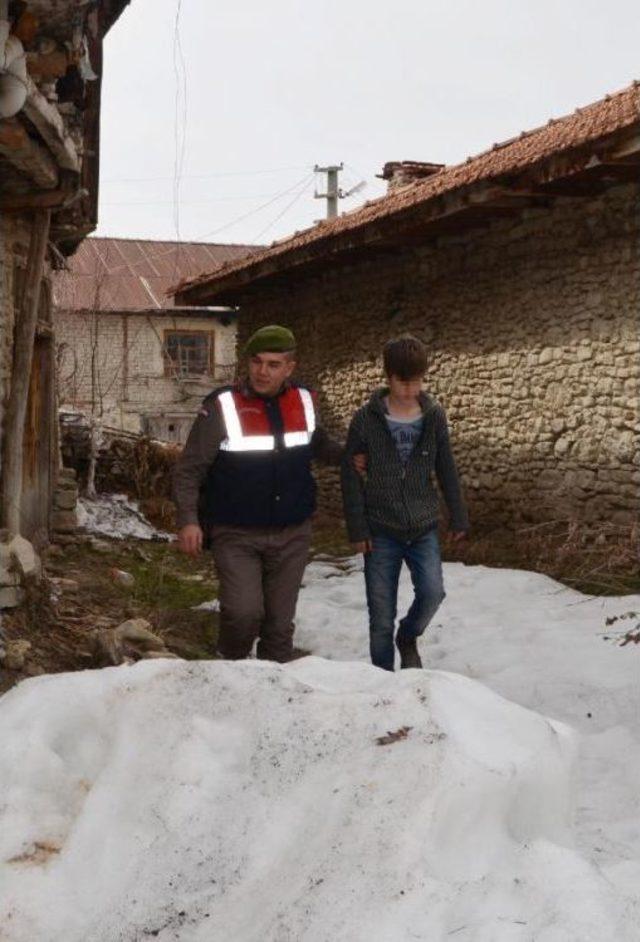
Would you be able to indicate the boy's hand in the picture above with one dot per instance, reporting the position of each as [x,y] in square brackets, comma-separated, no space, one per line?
[364,546]
[190,539]
[359,462]
[457,536]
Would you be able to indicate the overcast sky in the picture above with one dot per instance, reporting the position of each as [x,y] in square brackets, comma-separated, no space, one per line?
[273,88]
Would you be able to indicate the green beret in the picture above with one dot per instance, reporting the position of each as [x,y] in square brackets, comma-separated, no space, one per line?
[271,339]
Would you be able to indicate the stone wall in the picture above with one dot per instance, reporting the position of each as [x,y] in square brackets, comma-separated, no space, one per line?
[112,365]
[532,329]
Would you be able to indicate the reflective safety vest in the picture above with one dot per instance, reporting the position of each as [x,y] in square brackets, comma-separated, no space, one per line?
[249,426]
[262,474]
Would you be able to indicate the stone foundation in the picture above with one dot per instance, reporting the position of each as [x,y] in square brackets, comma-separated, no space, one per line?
[64,518]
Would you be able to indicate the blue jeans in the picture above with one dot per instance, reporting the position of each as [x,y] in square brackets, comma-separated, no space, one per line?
[382,571]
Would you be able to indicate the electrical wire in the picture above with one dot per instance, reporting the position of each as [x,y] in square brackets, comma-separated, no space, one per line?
[285,210]
[204,176]
[232,222]
[251,212]
[180,135]
[199,202]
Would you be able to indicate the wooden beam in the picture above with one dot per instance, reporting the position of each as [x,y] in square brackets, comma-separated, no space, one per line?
[71,232]
[626,173]
[575,187]
[49,65]
[628,147]
[49,199]
[48,121]
[26,155]
[25,330]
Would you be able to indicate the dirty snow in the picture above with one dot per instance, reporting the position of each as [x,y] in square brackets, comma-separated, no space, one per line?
[535,642]
[251,802]
[211,606]
[117,516]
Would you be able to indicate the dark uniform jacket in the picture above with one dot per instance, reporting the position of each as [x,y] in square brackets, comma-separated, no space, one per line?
[247,460]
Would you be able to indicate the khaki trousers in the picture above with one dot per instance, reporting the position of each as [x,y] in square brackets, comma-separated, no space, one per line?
[260,573]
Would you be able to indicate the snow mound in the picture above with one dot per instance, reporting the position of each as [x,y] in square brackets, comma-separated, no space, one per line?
[252,802]
[117,516]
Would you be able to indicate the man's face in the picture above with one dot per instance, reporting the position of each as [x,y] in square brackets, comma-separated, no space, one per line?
[268,371]
[405,391]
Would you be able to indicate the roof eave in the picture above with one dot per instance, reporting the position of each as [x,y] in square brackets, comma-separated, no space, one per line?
[530,184]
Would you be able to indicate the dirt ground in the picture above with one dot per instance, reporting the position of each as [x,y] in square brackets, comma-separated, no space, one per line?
[82,591]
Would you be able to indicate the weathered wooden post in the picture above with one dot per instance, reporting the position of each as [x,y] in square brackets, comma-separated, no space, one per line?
[25,330]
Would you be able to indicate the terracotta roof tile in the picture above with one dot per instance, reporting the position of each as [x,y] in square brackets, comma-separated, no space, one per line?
[597,120]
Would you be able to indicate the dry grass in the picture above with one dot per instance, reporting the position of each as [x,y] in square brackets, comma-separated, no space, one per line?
[167,585]
[596,560]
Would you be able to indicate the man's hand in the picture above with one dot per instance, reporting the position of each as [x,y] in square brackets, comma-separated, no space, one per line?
[359,462]
[190,539]
[363,546]
[457,536]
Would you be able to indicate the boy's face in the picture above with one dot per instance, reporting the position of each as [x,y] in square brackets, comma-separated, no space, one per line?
[405,391]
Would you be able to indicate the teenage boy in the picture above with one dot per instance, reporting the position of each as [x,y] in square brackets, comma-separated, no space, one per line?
[244,483]
[392,511]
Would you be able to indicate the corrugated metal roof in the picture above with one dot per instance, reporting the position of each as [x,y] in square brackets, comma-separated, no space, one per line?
[530,149]
[134,274]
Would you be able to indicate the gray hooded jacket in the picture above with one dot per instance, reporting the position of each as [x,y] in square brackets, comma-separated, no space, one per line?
[392,498]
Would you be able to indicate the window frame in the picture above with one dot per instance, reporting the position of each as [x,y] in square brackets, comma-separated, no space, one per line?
[172,368]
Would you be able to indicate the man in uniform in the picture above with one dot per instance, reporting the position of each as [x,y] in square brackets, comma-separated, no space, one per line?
[244,484]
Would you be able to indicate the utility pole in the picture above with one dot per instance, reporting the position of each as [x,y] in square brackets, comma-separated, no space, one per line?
[333,193]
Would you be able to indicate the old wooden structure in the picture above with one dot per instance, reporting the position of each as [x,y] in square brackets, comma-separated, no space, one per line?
[50,80]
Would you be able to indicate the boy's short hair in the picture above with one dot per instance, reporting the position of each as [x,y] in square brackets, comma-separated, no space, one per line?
[405,357]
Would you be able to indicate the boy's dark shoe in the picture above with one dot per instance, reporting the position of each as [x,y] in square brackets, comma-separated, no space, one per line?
[408,649]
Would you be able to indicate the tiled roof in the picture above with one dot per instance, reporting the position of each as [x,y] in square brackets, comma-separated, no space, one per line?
[134,274]
[590,123]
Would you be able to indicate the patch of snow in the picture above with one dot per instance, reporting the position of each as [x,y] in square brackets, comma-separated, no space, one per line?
[212,606]
[539,644]
[250,801]
[117,516]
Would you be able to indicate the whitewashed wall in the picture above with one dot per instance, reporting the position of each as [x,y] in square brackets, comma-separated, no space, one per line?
[112,366]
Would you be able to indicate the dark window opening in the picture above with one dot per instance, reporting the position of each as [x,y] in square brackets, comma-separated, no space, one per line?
[189,353]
